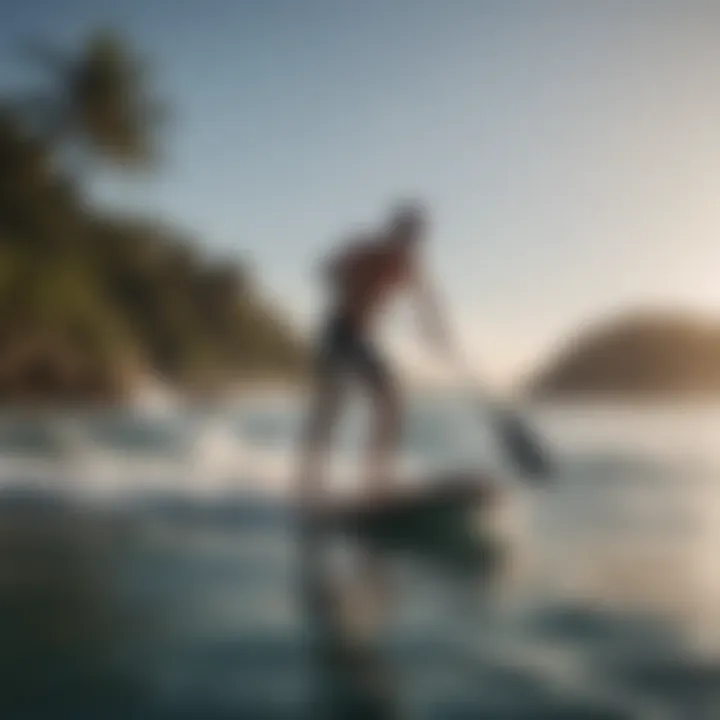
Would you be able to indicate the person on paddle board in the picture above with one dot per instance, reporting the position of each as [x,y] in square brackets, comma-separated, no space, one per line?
[364,276]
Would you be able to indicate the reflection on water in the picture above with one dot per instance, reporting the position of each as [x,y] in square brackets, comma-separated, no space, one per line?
[349,612]
[209,606]
[353,678]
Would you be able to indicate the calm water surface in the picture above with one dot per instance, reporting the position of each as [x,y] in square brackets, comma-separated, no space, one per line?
[152,568]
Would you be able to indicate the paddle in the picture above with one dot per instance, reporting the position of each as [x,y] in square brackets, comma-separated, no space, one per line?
[520,442]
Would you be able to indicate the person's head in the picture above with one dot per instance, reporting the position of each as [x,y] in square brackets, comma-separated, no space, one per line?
[407,224]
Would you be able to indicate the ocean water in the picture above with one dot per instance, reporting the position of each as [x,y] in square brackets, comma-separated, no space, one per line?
[151,566]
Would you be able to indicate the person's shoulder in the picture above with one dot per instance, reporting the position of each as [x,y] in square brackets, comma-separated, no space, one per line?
[361,245]
[366,246]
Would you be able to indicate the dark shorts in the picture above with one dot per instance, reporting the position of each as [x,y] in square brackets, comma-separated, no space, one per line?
[344,349]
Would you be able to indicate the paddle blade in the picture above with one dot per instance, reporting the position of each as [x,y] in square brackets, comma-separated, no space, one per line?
[523,445]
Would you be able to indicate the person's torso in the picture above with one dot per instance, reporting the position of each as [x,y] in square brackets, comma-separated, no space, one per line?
[373,274]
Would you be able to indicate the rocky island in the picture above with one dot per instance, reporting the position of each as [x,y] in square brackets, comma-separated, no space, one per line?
[643,355]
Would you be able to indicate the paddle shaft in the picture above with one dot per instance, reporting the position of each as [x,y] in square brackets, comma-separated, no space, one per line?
[521,444]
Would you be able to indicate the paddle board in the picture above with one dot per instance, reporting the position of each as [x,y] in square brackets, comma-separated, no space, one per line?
[447,515]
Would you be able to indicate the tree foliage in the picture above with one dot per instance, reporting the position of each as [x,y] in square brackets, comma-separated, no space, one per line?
[88,300]
[97,102]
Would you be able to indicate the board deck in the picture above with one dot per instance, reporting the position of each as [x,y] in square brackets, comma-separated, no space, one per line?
[446,515]
[444,493]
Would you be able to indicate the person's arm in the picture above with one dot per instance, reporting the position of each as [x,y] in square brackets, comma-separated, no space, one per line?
[433,323]
[331,266]
[335,266]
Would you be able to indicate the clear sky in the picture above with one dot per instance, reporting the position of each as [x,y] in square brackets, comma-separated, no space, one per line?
[569,151]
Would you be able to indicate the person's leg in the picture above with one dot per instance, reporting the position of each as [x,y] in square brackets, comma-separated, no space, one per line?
[318,436]
[385,433]
[323,415]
